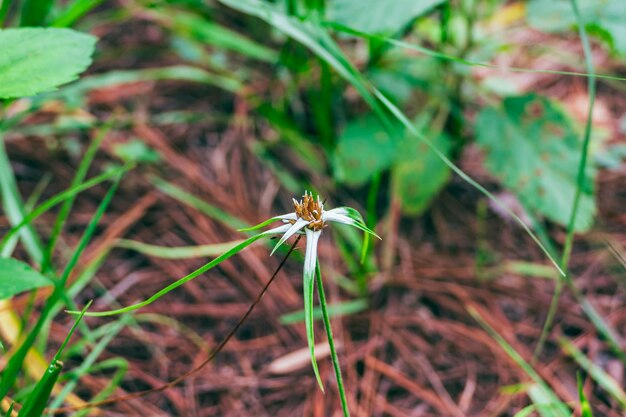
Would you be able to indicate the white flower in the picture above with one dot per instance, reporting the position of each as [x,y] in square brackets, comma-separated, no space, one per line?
[309,214]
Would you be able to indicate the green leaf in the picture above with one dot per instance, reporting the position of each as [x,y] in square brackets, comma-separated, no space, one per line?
[377,16]
[363,149]
[604,18]
[17,277]
[533,149]
[419,174]
[34,60]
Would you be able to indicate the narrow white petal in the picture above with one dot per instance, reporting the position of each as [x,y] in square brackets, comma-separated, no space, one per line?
[310,258]
[277,230]
[292,230]
[288,216]
[338,210]
[337,217]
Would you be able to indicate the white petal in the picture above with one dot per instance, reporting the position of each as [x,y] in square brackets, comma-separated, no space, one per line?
[299,224]
[288,216]
[338,210]
[329,216]
[310,258]
[277,230]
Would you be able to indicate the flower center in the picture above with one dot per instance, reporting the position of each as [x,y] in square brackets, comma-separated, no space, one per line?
[311,210]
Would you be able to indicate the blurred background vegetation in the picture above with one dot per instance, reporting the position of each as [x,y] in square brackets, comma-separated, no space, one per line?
[482,139]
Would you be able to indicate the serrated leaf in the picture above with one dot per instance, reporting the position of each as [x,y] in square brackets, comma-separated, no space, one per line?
[533,149]
[17,277]
[34,60]
[364,148]
[419,174]
[602,17]
[375,16]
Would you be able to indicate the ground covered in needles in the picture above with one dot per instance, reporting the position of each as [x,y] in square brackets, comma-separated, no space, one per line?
[416,343]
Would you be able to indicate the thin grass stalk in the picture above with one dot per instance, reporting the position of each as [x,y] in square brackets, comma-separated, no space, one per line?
[331,342]
[580,180]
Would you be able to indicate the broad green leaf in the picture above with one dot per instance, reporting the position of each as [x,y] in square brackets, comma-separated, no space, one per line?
[375,16]
[17,277]
[364,148]
[533,149]
[34,60]
[419,174]
[604,18]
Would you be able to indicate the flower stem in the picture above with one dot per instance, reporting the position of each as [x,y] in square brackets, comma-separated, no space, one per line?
[331,343]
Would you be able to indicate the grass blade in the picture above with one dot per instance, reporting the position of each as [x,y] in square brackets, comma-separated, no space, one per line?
[585,407]
[547,402]
[603,379]
[14,209]
[181,252]
[179,282]
[37,400]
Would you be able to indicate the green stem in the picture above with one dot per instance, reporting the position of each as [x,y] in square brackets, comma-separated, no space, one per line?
[331,343]
[580,182]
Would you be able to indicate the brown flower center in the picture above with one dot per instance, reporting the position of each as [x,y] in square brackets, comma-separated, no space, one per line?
[310,210]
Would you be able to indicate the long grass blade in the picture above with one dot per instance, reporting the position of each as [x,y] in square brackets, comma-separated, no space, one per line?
[603,379]
[181,252]
[580,180]
[547,402]
[179,282]
[463,61]
[37,400]
[14,209]
[585,407]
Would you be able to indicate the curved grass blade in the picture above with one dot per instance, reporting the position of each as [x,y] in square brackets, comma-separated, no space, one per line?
[547,402]
[179,282]
[38,398]
[462,61]
[181,252]
[603,379]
